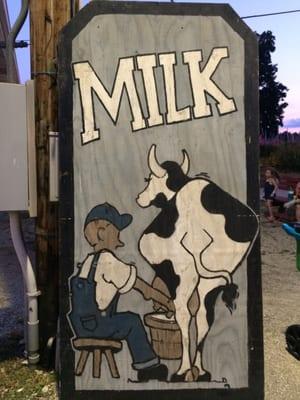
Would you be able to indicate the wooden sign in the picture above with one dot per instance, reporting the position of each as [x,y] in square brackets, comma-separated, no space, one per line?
[159,257]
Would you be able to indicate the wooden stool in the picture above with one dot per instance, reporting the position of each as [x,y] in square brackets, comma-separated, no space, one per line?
[97,347]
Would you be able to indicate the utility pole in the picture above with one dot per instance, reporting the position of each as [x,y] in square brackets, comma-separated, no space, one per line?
[47,18]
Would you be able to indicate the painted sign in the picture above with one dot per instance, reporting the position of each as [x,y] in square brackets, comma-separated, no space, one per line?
[160,264]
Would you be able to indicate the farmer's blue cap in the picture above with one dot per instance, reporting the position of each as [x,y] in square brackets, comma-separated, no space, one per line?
[108,213]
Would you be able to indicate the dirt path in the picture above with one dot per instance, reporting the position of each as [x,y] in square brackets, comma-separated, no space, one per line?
[281,302]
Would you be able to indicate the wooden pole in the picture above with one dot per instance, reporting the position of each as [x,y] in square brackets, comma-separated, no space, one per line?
[47,18]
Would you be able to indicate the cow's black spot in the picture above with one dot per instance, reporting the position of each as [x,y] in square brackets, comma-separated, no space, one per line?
[164,224]
[160,201]
[210,304]
[201,345]
[240,221]
[176,178]
[165,271]
[230,294]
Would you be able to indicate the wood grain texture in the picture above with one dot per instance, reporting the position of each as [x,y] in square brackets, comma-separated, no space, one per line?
[112,363]
[81,362]
[90,343]
[46,19]
[97,363]
[217,145]
[220,153]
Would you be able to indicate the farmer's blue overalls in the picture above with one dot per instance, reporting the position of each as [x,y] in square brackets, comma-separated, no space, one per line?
[88,321]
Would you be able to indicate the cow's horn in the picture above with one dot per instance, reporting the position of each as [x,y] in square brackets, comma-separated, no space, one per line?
[185,166]
[153,163]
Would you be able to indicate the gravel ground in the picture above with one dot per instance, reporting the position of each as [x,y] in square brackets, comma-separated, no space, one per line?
[11,306]
[281,299]
[281,296]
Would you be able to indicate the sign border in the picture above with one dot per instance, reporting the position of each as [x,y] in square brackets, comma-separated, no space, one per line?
[255,389]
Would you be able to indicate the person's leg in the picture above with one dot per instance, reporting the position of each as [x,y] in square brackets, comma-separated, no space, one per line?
[270,210]
[128,326]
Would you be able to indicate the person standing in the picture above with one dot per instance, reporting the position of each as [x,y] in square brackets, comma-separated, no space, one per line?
[270,188]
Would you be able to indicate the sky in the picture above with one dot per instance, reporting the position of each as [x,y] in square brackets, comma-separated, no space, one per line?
[284,27]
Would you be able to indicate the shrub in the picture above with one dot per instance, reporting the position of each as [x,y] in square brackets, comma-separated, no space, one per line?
[267,149]
[286,157]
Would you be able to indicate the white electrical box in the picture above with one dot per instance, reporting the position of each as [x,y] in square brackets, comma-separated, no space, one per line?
[17,148]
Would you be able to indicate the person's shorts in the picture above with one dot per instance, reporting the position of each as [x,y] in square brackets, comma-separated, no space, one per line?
[269,197]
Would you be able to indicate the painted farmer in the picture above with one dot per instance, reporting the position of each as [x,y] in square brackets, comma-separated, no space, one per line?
[96,290]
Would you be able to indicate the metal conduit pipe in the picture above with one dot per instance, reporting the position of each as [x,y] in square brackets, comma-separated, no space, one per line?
[31,292]
[32,323]
[11,38]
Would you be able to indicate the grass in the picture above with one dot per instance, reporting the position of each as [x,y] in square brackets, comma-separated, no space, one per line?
[18,381]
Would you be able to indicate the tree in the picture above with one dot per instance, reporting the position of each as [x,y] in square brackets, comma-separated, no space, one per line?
[271,92]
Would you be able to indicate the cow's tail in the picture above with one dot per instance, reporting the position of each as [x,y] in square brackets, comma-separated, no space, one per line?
[229,296]
[202,270]
[208,274]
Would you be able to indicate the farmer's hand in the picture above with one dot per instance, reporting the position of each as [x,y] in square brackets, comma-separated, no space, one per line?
[149,293]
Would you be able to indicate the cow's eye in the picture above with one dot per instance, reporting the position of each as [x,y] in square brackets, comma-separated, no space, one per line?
[147,179]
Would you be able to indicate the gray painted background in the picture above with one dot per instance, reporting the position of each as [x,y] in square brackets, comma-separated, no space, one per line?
[113,169]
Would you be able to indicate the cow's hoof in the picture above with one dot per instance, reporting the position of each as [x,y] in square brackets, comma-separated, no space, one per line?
[189,376]
[192,375]
[205,377]
[195,371]
[178,378]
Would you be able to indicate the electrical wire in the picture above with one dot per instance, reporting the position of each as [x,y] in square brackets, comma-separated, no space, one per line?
[270,14]
[246,17]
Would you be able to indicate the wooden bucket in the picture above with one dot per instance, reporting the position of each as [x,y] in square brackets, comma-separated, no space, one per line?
[165,336]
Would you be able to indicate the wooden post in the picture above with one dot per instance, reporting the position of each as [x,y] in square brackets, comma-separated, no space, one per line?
[46,19]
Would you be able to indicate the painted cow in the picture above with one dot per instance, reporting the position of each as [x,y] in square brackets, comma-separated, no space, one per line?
[200,237]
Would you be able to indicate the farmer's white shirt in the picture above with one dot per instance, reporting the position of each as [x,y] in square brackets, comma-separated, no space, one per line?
[112,276]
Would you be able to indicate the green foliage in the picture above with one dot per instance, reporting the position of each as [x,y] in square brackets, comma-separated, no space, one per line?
[267,149]
[18,382]
[271,92]
[285,157]
[289,157]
